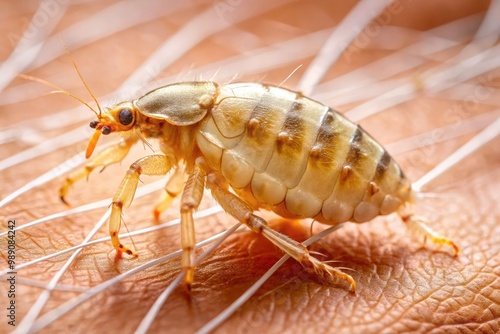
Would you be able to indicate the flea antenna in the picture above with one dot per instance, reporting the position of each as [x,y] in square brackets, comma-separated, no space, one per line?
[59,90]
[83,81]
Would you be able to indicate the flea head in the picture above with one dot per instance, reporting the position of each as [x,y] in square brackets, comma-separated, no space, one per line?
[117,119]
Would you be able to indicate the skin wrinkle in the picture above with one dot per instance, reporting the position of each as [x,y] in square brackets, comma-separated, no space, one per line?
[392,269]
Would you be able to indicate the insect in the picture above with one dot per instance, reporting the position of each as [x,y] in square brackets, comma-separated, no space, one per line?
[254,146]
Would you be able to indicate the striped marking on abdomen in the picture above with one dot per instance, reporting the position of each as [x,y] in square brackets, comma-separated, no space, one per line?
[287,158]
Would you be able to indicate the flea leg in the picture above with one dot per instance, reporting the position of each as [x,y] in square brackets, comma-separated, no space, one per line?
[243,212]
[111,155]
[172,189]
[150,165]
[191,198]
[418,224]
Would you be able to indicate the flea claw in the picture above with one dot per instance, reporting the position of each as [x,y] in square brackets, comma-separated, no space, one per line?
[64,201]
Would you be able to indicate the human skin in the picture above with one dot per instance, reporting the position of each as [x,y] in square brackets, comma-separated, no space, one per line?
[402,284]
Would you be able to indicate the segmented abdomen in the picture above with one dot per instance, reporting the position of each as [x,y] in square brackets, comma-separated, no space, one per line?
[299,158]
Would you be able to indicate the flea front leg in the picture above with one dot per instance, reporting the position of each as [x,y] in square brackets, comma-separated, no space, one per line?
[111,155]
[150,165]
[243,212]
[191,198]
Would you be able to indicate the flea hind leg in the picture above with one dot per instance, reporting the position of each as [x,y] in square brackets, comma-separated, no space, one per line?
[243,212]
[419,225]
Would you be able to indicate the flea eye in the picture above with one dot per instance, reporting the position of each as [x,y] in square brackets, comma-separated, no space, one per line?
[125,116]
[105,130]
[94,124]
